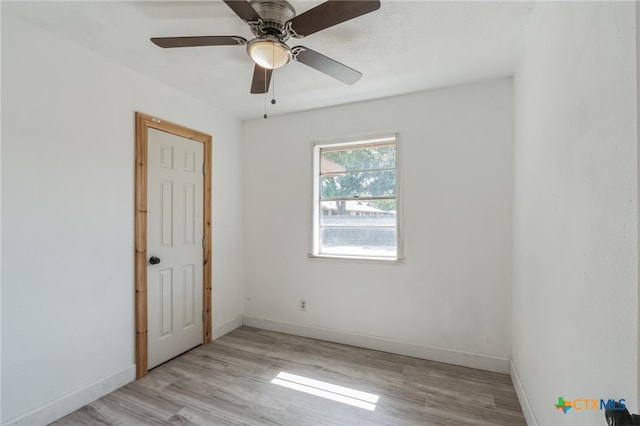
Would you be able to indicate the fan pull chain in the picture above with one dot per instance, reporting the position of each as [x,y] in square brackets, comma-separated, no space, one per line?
[265,93]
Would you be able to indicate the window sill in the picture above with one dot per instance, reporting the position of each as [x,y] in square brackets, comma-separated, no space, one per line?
[358,259]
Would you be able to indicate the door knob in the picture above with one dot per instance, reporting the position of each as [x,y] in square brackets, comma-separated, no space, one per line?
[154,260]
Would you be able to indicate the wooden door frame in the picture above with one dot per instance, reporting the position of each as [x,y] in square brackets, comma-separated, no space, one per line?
[143,123]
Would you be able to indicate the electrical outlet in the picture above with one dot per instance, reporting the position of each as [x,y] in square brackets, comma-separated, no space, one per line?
[303,305]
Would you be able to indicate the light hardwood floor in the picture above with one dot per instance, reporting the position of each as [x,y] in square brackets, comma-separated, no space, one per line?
[228,382]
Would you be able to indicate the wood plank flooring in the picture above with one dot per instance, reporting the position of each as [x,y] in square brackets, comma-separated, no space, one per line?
[228,382]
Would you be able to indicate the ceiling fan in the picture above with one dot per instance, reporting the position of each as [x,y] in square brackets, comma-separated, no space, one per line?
[272,23]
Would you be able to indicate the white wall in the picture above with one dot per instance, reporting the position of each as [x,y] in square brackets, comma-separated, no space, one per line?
[67,204]
[451,299]
[575,313]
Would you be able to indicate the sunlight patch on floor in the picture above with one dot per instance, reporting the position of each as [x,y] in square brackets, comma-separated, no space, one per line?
[326,390]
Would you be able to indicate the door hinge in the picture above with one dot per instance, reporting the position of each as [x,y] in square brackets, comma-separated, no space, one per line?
[203,169]
[204,243]
[202,315]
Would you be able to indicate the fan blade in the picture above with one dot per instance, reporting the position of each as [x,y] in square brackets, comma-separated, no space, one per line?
[325,64]
[243,9]
[261,79]
[198,41]
[331,13]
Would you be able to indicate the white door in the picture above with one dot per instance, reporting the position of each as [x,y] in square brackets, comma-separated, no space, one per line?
[174,245]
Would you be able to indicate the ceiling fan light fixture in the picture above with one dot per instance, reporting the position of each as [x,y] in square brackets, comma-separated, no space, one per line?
[269,53]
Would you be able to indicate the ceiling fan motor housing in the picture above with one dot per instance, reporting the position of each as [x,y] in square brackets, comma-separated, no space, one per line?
[275,15]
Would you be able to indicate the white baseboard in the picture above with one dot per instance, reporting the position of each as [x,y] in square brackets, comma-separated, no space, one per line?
[227,327]
[71,402]
[433,353]
[527,410]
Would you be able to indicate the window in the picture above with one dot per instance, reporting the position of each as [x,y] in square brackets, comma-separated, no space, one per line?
[355,199]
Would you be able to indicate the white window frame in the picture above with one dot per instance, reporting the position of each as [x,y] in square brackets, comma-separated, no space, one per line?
[314,236]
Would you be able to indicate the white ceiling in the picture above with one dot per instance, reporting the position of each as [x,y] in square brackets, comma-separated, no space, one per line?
[405,46]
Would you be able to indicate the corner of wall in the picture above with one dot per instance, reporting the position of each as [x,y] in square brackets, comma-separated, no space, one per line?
[521,393]
[0,229]
[637,11]
[227,327]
